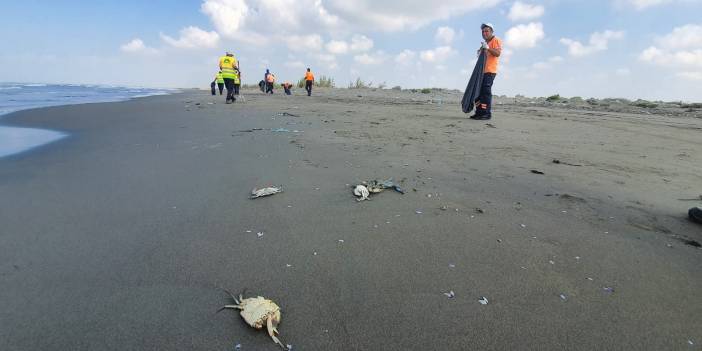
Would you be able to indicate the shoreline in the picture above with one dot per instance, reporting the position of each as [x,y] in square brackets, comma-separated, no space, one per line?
[145,210]
[17,140]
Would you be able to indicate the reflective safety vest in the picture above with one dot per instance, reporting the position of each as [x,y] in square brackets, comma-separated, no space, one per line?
[220,78]
[270,78]
[237,78]
[309,76]
[226,65]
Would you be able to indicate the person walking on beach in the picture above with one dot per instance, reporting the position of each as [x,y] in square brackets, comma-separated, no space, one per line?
[228,66]
[492,48]
[237,82]
[270,81]
[219,79]
[309,81]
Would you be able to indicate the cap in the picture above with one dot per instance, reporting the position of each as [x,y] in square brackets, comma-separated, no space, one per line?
[228,53]
[482,26]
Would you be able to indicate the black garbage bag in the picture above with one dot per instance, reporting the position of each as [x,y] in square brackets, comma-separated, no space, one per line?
[473,88]
[212,87]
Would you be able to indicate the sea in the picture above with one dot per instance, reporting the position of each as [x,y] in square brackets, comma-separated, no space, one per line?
[22,96]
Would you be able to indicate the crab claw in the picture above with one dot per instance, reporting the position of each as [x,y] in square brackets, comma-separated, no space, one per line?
[272,331]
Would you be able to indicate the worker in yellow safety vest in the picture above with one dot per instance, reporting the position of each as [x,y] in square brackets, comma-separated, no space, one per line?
[237,82]
[219,80]
[229,65]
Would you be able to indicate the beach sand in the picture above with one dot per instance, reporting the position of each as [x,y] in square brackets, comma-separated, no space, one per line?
[119,236]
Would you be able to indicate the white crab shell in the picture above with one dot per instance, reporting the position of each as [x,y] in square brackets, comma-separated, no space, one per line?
[257,310]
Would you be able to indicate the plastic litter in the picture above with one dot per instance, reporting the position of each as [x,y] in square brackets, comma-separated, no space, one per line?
[483,300]
[256,193]
[563,297]
[373,187]
[259,234]
[608,289]
[237,347]
[418,212]
[536,171]
[450,294]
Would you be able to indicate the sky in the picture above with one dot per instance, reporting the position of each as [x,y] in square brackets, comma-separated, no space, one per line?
[649,49]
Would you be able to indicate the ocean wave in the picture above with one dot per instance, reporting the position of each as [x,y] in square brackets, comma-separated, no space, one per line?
[35,85]
[10,88]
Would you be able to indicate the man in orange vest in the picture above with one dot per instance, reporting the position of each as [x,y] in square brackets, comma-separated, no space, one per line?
[492,48]
[309,81]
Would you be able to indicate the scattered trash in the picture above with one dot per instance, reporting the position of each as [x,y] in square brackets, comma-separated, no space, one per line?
[362,192]
[341,241]
[558,162]
[499,240]
[418,212]
[608,289]
[259,234]
[563,297]
[287,114]
[690,342]
[256,193]
[288,265]
[689,242]
[590,279]
[289,347]
[366,188]
[257,312]
[669,245]
[483,300]
[450,294]
[237,347]
[693,199]
[523,225]
[577,257]
[536,171]
[248,231]
[451,265]
[551,262]
[479,210]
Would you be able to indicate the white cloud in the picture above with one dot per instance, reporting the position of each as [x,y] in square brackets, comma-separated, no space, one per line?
[368,59]
[680,51]
[524,35]
[193,37]
[294,64]
[690,75]
[445,35]
[228,16]
[623,72]
[137,46]
[337,47]
[232,18]
[643,4]
[360,43]
[687,36]
[406,57]
[312,42]
[551,62]
[524,12]
[598,42]
[438,54]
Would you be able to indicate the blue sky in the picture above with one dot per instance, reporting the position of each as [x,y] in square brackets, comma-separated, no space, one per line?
[650,49]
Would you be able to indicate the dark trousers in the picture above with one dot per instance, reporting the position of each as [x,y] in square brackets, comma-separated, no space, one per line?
[212,86]
[229,83]
[308,87]
[483,106]
[221,87]
[269,87]
[236,88]
[287,90]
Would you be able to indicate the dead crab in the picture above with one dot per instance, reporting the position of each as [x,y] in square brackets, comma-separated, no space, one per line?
[258,311]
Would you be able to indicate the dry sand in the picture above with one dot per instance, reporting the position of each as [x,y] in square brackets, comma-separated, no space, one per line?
[118,236]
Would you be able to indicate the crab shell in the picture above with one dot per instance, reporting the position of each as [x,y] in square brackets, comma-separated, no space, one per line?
[257,311]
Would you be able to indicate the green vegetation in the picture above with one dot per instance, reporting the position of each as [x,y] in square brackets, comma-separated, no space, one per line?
[397,87]
[322,82]
[553,98]
[426,91]
[692,105]
[359,84]
[644,104]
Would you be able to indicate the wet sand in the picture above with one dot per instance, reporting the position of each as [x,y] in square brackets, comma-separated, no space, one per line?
[118,236]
